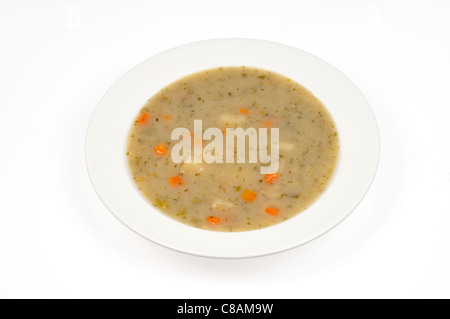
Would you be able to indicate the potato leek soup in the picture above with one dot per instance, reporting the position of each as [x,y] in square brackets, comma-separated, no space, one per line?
[233,149]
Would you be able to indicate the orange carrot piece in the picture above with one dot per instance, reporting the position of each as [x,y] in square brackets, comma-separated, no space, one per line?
[144,119]
[167,117]
[272,211]
[160,149]
[249,196]
[176,181]
[268,123]
[195,140]
[244,111]
[213,220]
[270,178]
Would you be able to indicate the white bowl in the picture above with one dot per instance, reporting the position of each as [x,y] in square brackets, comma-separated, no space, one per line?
[111,122]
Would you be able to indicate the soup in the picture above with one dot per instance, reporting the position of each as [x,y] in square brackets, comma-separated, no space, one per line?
[236,193]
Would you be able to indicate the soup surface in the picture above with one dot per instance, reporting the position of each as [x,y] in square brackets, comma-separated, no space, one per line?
[233,196]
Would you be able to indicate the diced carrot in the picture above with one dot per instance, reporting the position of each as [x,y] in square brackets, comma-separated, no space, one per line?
[195,140]
[176,181]
[244,111]
[160,149]
[270,178]
[249,196]
[213,220]
[144,119]
[272,211]
[167,117]
[268,123]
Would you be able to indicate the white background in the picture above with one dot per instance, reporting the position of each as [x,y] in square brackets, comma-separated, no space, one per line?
[58,58]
